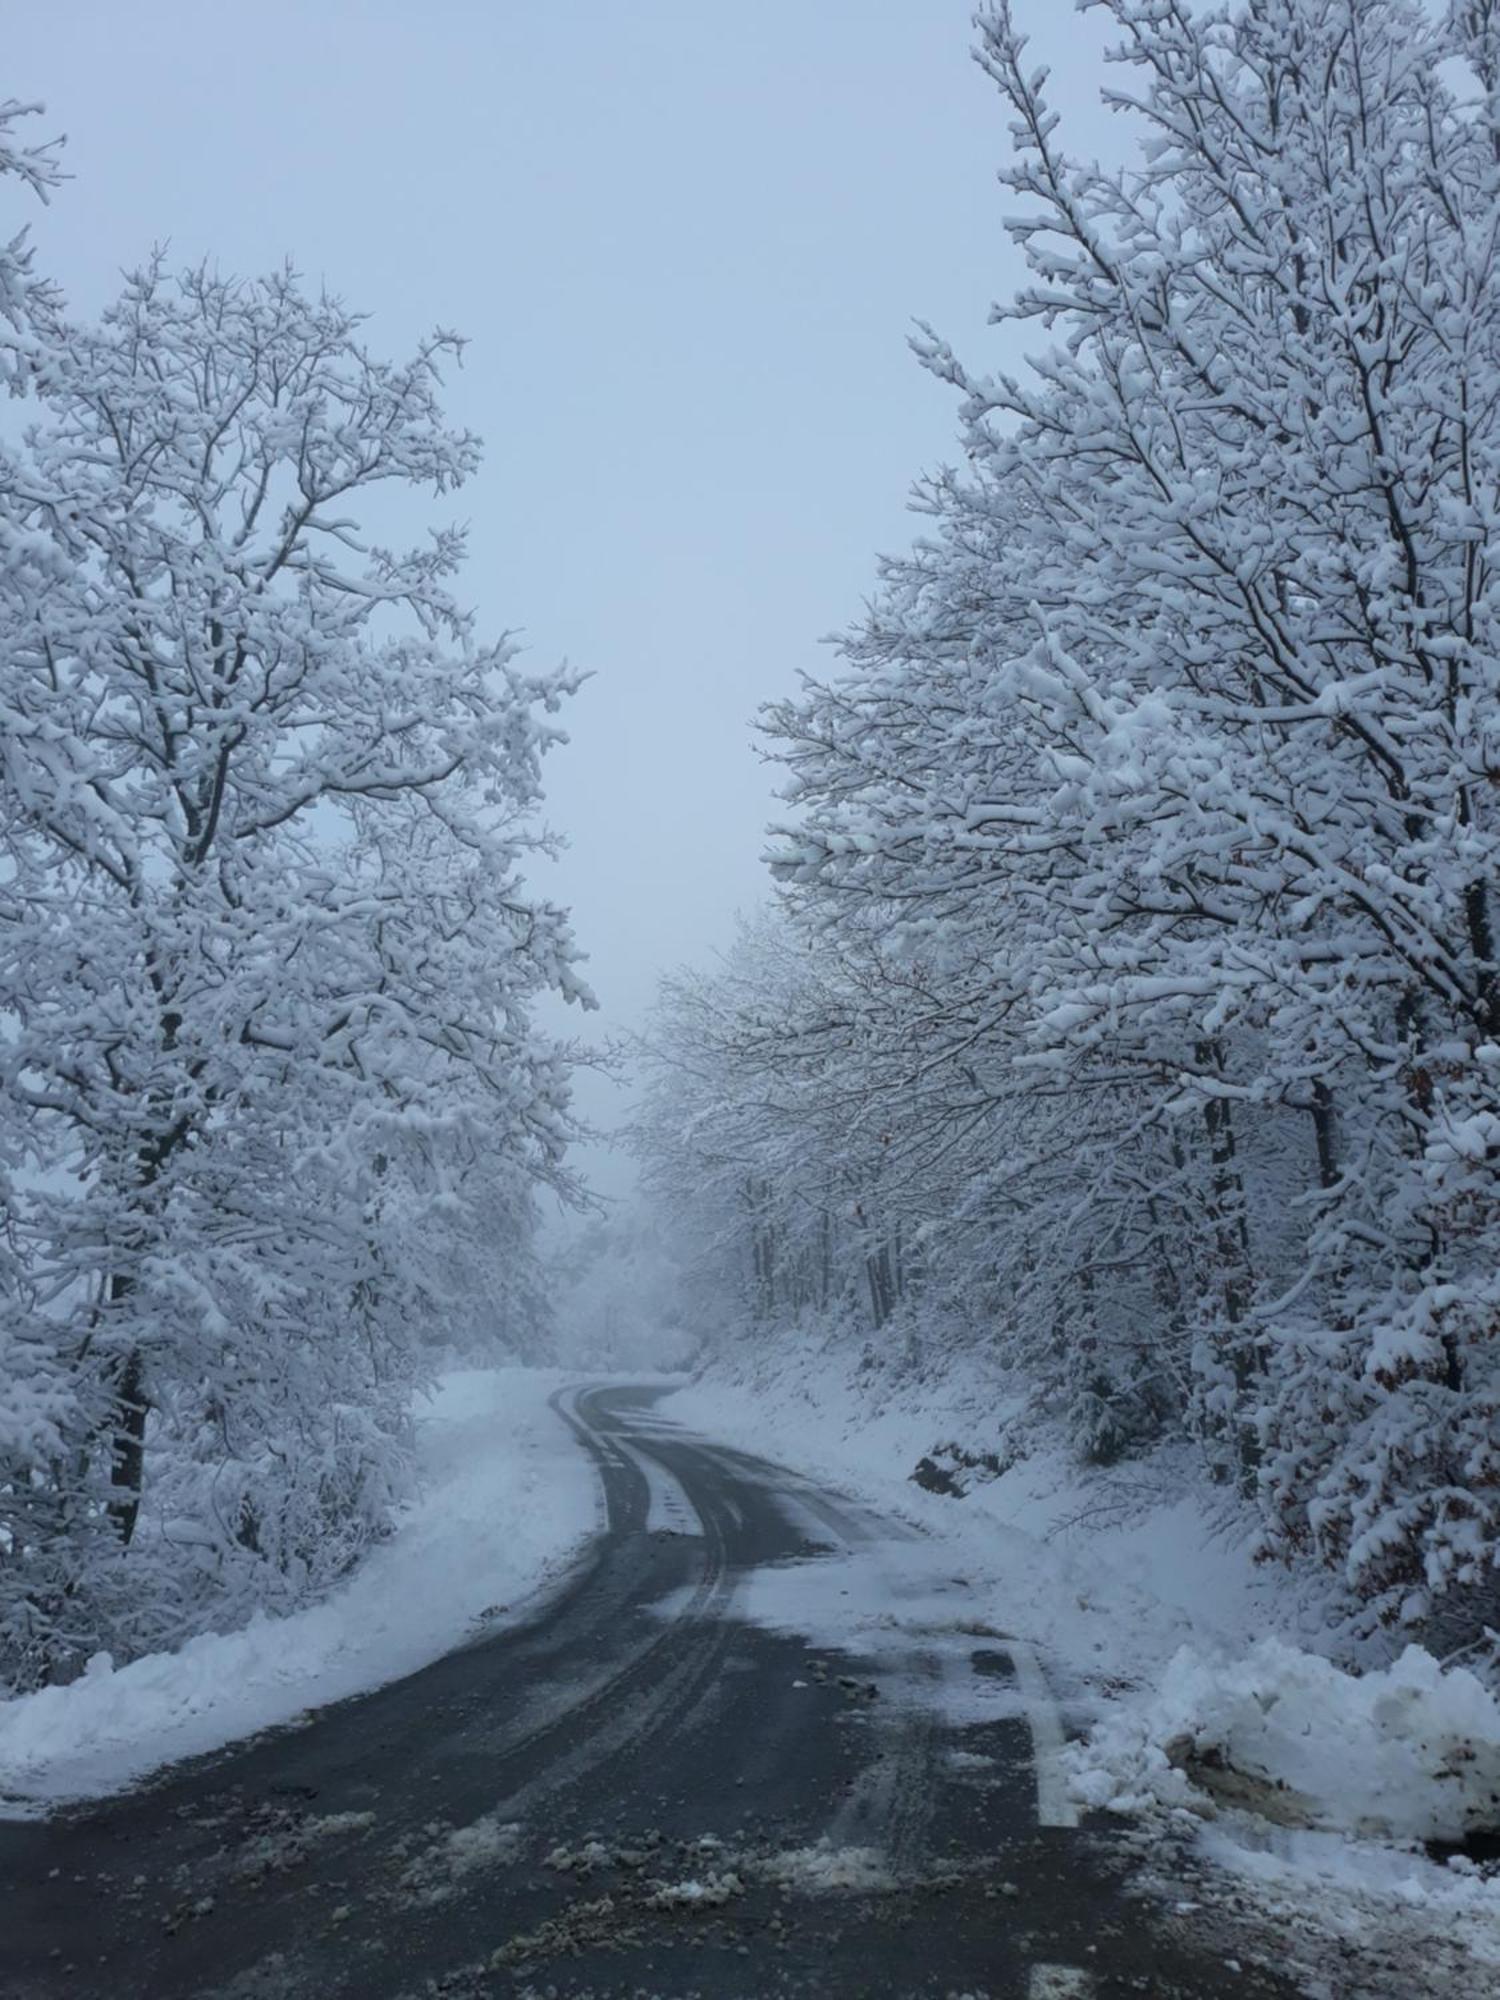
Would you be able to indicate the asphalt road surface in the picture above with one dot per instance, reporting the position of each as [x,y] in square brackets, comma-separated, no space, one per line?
[638,1792]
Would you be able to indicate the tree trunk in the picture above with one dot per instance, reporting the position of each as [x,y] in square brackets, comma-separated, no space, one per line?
[882,1290]
[1325,1135]
[1231,1238]
[128,1460]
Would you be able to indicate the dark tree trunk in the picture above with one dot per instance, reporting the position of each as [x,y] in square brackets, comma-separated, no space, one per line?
[882,1288]
[128,1459]
[1325,1135]
[1231,1235]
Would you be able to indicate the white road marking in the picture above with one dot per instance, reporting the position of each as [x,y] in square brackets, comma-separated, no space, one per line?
[1059,1982]
[1053,1806]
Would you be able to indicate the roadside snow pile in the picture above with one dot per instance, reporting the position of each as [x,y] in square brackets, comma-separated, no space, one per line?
[508,1497]
[1409,1754]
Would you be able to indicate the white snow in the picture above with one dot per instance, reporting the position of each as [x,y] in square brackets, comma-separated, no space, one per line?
[284,1846]
[1133,1617]
[695,1894]
[1358,1889]
[580,1860]
[825,1868]
[1105,1577]
[1411,1753]
[438,1873]
[508,1499]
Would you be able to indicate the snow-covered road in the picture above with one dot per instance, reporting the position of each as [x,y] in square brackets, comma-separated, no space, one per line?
[757,1747]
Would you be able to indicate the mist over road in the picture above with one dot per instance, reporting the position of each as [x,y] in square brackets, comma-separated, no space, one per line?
[639,1791]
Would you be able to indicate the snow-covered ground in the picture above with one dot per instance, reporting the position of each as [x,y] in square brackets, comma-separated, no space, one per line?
[1109,1576]
[1152,1621]
[507,1499]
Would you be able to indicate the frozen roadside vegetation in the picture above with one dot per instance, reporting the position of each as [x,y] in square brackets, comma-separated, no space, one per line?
[507,1498]
[1319,1788]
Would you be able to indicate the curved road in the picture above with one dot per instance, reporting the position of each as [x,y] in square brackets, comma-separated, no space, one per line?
[637,1793]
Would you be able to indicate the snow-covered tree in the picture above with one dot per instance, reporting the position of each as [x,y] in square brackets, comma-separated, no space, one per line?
[1160,781]
[36,168]
[757,1126]
[615,1295]
[266,958]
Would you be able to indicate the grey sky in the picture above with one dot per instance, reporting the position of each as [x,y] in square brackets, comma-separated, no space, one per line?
[687,242]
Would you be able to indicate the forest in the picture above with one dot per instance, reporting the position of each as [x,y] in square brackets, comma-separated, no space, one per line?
[1124,1009]
[1126,1013]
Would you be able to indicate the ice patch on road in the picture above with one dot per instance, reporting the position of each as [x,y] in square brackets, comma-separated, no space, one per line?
[508,1500]
[869,1598]
[900,1605]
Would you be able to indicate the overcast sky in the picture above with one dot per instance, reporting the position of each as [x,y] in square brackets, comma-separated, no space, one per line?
[687,242]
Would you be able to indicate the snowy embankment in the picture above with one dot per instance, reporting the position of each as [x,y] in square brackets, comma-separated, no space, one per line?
[507,1499]
[1108,1575]
[1152,1620]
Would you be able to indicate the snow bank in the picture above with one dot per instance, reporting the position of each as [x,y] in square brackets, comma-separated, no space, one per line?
[508,1497]
[1408,1754]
